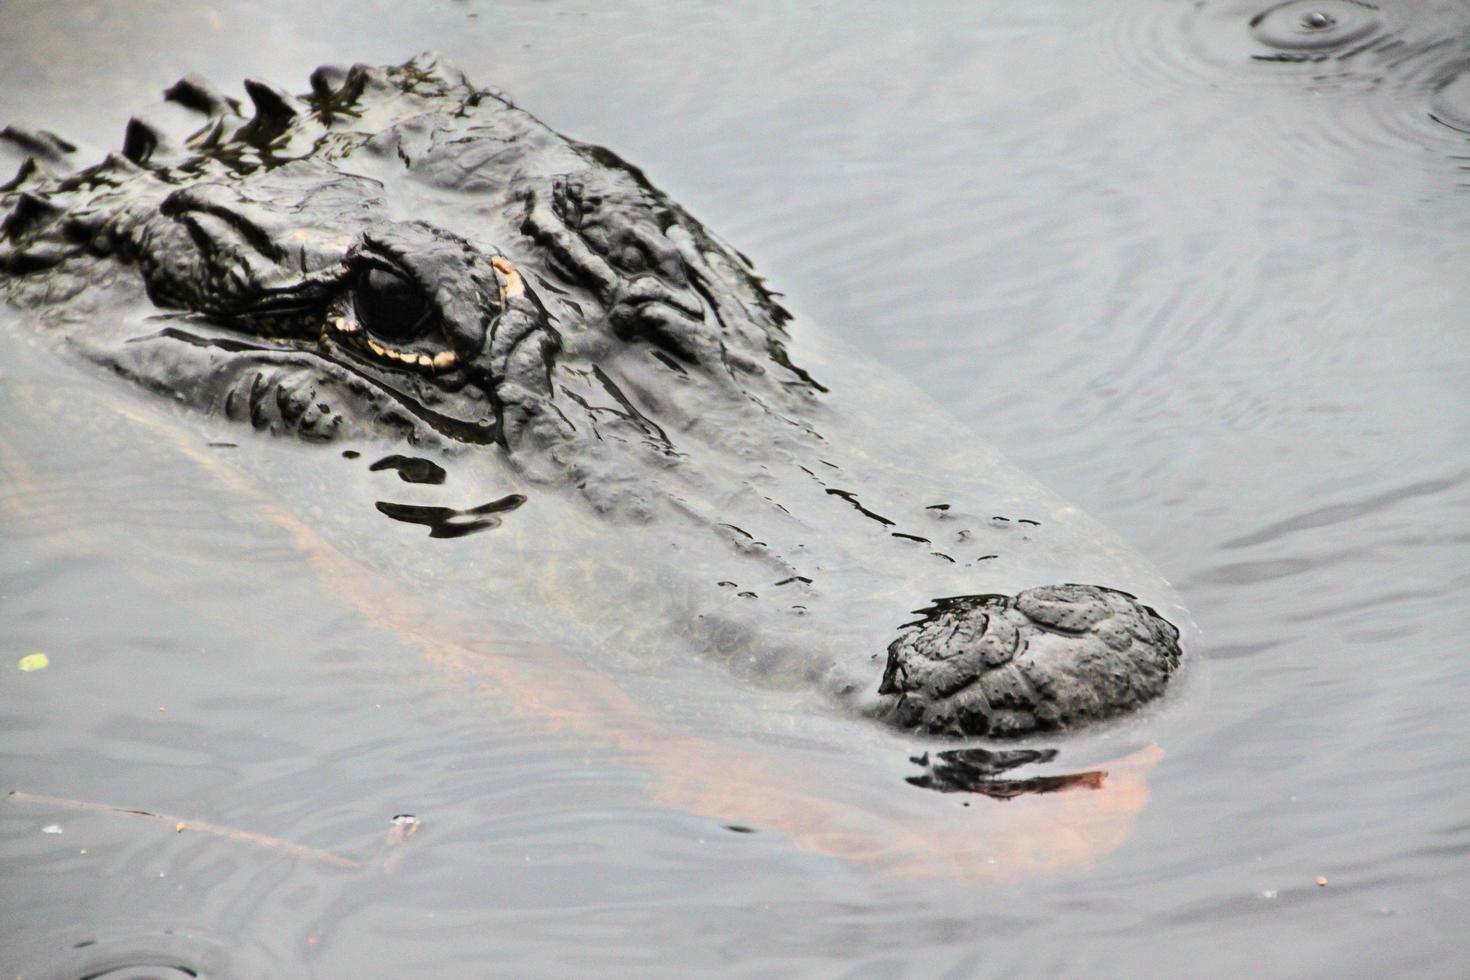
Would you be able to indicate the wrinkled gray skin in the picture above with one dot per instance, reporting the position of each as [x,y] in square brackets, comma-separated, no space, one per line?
[573,321]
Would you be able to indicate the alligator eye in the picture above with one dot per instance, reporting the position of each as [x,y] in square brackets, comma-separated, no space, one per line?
[391,307]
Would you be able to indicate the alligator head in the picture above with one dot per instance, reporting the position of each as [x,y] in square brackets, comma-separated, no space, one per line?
[291,232]
[573,320]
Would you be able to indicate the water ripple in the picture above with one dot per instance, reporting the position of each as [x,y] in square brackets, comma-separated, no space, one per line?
[1395,85]
[1316,25]
[1338,513]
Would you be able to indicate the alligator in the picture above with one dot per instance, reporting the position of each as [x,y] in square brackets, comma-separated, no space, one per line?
[400,259]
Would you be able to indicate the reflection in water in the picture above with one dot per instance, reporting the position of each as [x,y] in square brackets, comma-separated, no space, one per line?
[1038,832]
[412,469]
[975,771]
[447,522]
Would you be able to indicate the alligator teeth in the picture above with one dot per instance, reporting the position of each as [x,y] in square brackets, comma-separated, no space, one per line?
[321,239]
[513,285]
[441,361]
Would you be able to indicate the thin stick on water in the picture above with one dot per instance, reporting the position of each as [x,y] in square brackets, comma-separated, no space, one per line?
[199,826]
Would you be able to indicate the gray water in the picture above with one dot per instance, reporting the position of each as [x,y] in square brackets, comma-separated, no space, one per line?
[1215,297]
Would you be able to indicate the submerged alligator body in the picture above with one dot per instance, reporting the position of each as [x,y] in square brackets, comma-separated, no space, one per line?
[401,258]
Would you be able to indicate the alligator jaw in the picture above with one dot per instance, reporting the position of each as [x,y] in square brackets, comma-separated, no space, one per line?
[285,388]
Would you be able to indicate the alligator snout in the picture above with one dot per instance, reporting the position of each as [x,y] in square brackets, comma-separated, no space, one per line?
[1047,658]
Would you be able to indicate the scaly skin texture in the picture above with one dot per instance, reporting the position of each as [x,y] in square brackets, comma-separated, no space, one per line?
[574,321]
[1050,657]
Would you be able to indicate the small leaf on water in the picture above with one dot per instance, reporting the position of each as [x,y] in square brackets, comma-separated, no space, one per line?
[34,661]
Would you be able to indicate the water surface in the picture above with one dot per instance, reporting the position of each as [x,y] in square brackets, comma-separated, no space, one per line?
[1205,277]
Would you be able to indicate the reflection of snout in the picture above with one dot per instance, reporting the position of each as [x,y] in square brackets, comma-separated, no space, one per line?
[1048,658]
[984,771]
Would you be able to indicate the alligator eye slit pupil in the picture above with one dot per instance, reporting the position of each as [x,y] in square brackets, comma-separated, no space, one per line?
[390,306]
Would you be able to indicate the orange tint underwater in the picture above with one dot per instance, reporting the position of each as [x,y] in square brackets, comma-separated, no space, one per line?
[922,836]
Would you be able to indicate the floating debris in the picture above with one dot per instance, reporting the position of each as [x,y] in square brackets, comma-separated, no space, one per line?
[201,826]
